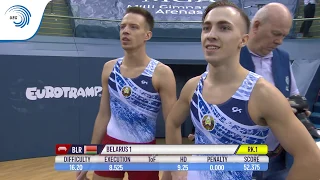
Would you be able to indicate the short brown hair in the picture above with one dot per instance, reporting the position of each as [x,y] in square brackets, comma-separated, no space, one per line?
[146,14]
[225,3]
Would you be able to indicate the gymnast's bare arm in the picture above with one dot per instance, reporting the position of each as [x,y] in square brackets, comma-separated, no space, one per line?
[165,83]
[103,116]
[274,109]
[177,116]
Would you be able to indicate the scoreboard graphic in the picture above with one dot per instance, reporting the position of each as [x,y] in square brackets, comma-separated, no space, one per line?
[161,157]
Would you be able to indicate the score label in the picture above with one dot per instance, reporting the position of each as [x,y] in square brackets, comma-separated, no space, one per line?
[260,149]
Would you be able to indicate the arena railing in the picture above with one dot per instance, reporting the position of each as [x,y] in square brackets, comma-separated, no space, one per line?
[292,34]
[111,20]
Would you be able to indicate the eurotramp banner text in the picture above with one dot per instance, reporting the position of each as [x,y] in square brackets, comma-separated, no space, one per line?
[20,19]
[72,157]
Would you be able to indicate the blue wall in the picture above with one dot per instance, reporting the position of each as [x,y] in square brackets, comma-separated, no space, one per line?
[36,126]
[175,52]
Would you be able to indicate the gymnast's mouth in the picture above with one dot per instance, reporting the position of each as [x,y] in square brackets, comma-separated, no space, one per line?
[125,39]
[212,47]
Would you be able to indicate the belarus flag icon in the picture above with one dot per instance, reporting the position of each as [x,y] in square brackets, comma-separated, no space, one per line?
[90,149]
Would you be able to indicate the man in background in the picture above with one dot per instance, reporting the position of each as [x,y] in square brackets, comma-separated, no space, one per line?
[309,11]
[270,25]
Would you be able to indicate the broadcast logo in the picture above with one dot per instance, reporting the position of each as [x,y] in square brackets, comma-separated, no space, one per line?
[20,15]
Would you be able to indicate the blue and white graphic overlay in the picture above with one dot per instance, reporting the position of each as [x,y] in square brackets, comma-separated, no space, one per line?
[20,19]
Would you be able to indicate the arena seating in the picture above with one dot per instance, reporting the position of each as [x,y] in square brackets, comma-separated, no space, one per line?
[56,26]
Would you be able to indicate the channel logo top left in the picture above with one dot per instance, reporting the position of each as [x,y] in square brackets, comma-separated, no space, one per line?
[21,15]
[20,19]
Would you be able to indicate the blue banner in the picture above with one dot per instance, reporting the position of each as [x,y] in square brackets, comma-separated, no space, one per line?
[161,166]
[163,10]
[174,10]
